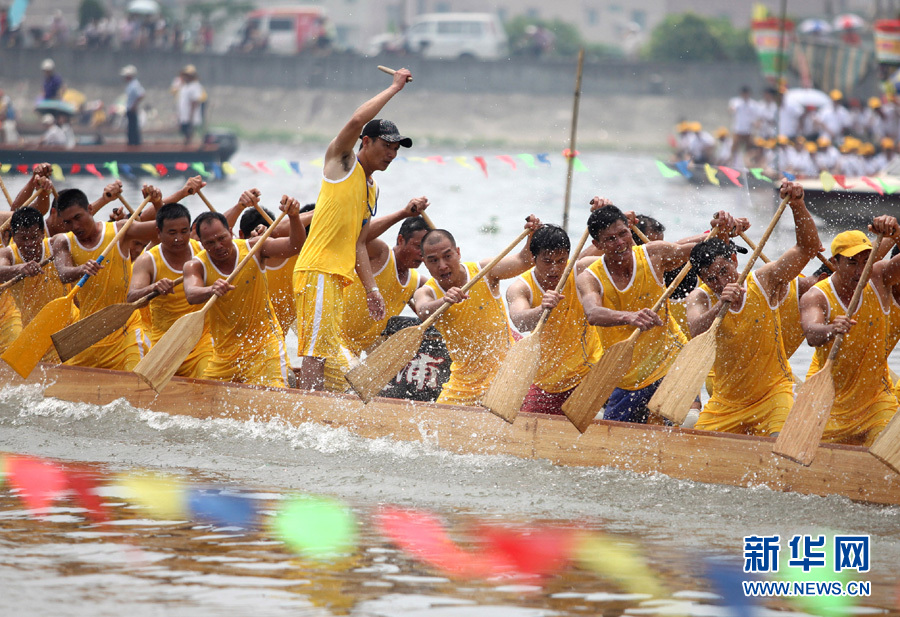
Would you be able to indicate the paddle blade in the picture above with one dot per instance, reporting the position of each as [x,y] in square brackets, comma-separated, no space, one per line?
[510,386]
[26,351]
[371,376]
[74,339]
[887,447]
[685,378]
[594,390]
[799,438]
[164,358]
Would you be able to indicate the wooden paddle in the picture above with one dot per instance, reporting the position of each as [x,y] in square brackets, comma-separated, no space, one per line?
[126,204]
[391,71]
[685,377]
[21,277]
[765,259]
[73,339]
[510,386]
[370,377]
[596,387]
[34,341]
[162,361]
[573,132]
[206,201]
[799,438]
[887,446]
[5,192]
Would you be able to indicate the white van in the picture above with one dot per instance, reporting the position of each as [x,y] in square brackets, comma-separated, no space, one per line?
[284,30]
[457,35]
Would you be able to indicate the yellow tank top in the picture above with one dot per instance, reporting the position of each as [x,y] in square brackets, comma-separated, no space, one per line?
[342,208]
[789,313]
[893,327]
[750,358]
[358,331]
[34,292]
[242,321]
[860,369]
[8,309]
[476,331]
[655,349]
[166,310]
[678,311]
[110,286]
[281,292]
[568,344]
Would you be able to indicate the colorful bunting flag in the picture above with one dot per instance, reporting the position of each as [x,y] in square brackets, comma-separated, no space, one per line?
[127,170]
[284,165]
[113,168]
[39,482]
[5,168]
[507,159]
[75,168]
[483,164]
[250,165]
[841,180]
[877,188]
[91,168]
[84,484]
[163,496]
[57,173]
[436,159]
[319,162]
[261,165]
[577,165]
[827,180]
[226,510]
[789,175]
[295,165]
[684,168]
[462,162]
[711,174]
[666,171]
[731,174]
[22,169]
[618,561]
[316,527]
[759,175]
[217,171]
[150,169]
[890,190]
[161,169]
[228,168]
[181,166]
[542,157]
[200,168]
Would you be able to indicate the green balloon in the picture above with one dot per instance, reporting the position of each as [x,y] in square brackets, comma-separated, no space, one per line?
[316,527]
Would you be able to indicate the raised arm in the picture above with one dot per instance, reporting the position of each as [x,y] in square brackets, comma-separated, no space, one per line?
[515,264]
[339,155]
[782,271]
[381,224]
[144,231]
[191,186]
[280,248]
[667,256]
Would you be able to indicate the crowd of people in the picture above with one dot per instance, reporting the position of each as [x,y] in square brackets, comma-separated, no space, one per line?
[326,271]
[781,133]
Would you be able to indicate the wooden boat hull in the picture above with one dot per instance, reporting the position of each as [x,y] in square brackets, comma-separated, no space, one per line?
[700,456]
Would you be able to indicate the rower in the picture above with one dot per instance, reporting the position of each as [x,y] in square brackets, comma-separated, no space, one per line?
[475,327]
[347,200]
[617,292]
[752,379]
[76,253]
[395,275]
[864,402]
[569,346]
[789,309]
[157,269]
[248,342]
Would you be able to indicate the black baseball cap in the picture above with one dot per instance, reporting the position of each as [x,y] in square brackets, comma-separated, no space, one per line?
[386,130]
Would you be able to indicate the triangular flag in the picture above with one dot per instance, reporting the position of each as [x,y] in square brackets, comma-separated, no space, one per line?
[84,484]
[542,157]
[57,173]
[284,165]
[528,159]
[436,159]
[228,168]
[161,169]
[5,168]
[759,175]
[682,166]
[482,163]
[890,190]
[827,180]
[295,165]
[38,481]
[319,162]
[200,168]
[113,168]
[181,166]
[250,165]
[418,159]
[262,165]
[75,168]
[869,181]
[91,168]
[22,169]
[577,165]
[841,180]
[507,159]
[462,162]
[789,175]
[150,169]
[731,174]
[711,174]
[217,171]
[126,169]
[666,171]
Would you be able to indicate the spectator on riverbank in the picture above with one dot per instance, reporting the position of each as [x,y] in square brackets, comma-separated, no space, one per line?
[10,134]
[53,134]
[134,94]
[190,99]
[53,83]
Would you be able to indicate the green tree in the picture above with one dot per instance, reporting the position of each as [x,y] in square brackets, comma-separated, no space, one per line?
[685,37]
[89,10]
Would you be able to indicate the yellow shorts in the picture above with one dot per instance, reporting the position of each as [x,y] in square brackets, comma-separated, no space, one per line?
[260,367]
[320,307]
[461,391]
[120,351]
[860,426]
[761,418]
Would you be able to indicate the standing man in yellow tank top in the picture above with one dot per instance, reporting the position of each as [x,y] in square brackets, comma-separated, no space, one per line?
[157,269]
[395,275]
[336,246]
[864,402]
[76,253]
[475,326]
[752,380]
[618,291]
[569,346]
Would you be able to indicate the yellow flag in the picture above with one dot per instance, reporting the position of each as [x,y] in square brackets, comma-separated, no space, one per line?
[711,174]
[320,162]
[461,160]
[163,496]
[759,12]
[228,168]
[150,169]
[57,173]
[827,180]
[5,168]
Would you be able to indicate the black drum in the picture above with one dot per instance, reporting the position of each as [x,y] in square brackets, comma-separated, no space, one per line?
[422,378]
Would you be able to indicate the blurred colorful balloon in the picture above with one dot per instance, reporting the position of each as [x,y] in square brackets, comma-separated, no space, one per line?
[39,482]
[618,561]
[227,510]
[316,527]
[539,551]
[84,483]
[163,496]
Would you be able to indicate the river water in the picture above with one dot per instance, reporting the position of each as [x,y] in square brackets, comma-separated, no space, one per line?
[62,564]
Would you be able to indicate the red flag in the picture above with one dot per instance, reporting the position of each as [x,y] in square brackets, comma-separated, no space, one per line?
[507,159]
[261,165]
[161,169]
[250,165]
[91,168]
[38,481]
[435,159]
[482,163]
[181,166]
[875,186]
[842,182]
[83,482]
[536,552]
[76,168]
[731,174]
[22,169]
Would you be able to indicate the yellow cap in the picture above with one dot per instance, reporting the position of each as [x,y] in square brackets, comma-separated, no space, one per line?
[850,243]
[696,127]
[721,132]
[783,140]
[887,143]
[770,143]
[867,149]
[811,146]
[681,127]
[824,141]
[759,142]
[836,95]
[874,102]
